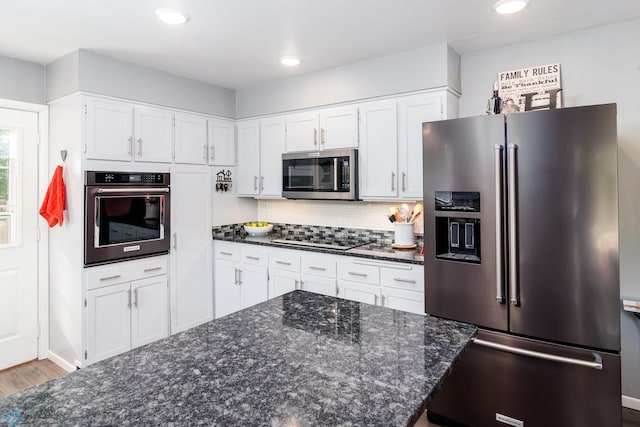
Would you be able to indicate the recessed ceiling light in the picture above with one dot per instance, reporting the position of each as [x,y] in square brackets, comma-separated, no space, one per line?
[290,61]
[505,7]
[172,16]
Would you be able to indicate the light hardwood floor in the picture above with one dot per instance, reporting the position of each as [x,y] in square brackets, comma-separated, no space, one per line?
[27,375]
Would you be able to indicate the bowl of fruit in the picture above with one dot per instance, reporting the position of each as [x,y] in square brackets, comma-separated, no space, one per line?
[258,228]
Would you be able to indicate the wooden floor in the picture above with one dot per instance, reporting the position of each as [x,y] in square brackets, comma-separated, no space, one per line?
[27,375]
[32,373]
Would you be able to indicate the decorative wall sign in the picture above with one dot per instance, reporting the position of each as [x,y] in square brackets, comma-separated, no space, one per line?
[223,180]
[534,88]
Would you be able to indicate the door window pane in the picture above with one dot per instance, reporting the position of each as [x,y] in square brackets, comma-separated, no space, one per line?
[8,186]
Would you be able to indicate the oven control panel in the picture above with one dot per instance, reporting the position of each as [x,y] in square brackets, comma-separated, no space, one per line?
[120,178]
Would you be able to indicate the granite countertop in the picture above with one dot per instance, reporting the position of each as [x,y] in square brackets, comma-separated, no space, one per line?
[372,250]
[300,359]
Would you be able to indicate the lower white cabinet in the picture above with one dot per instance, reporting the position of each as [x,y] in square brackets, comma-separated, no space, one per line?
[318,273]
[126,307]
[240,277]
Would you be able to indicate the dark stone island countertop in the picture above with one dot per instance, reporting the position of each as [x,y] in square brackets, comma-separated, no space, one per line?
[371,244]
[301,359]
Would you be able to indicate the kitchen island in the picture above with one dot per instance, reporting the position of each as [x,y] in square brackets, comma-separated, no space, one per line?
[299,359]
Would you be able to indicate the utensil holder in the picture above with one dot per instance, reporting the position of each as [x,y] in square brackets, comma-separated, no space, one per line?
[403,233]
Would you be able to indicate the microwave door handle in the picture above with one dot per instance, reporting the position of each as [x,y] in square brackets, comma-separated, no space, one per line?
[102,190]
[335,174]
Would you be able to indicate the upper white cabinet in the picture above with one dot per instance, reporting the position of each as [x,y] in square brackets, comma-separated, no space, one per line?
[260,148]
[323,129]
[121,131]
[391,144]
[190,139]
[221,139]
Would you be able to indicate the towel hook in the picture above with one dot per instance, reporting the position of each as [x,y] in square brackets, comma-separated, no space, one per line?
[63,154]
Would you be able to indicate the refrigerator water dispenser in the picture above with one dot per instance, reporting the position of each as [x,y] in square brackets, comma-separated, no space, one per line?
[457,237]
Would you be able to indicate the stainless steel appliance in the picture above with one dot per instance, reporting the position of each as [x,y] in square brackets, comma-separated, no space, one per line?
[327,175]
[522,213]
[126,216]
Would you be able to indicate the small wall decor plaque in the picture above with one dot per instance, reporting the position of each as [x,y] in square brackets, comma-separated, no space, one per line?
[223,180]
[533,88]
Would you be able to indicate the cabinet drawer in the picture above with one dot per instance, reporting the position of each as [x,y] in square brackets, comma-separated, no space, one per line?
[409,277]
[227,251]
[127,271]
[284,260]
[319,266]
[253,255]
[361,273]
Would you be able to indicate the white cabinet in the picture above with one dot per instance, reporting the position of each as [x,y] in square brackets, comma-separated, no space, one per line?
[391,144]
[126,307]
[248,158]
[260,148]
[221,139]
[284,272]
[240,277]
[121,131]
[191,287]
[325,129]
[190,139]
[318,273]
[395,285]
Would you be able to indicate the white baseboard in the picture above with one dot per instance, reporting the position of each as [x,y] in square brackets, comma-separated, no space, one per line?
[60,362]
[631,402]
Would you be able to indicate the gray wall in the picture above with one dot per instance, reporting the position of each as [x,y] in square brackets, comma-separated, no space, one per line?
[429,67]
[91,72]
[597,66]
[22,81]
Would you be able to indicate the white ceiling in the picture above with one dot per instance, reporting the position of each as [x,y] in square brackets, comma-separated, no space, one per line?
[237,43]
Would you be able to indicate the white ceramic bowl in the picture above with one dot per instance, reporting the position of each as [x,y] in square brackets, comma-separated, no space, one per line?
[258,231]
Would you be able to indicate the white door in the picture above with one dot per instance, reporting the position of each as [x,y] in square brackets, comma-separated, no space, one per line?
[302,132]
[403,300]
[190,139]
[248,158]
[282,281]
[191,278]
[109,125]
[18,237]
[272,136]
[108,321]
[254,287]
[339,127]
[358,292]
[318,285]
[222,147]
[149,314]
[227,292]
[153,134]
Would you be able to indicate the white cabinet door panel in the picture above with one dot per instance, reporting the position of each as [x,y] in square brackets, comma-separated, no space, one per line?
[359,292]
[339,127]
[302,132]
[222,147]
[108,322]
[109,130]
[190,139]
[227,290]
[412,302]
[272,145]
[153,134]
[149,314]
[248,158]
[319,285]
[282,281]
[254,287]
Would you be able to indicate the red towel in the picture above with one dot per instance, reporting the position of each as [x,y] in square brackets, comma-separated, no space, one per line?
[53,204]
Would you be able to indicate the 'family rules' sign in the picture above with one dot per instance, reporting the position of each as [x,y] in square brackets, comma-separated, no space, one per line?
[533,88]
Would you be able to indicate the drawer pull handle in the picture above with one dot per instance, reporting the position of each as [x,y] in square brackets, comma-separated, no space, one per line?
[353,273]
[226,253]
[255,258]
[283,262]
[397,279]
[312,267]
[149,270]
[117,276]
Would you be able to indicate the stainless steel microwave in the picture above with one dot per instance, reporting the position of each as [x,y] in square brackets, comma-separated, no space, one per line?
[320,175]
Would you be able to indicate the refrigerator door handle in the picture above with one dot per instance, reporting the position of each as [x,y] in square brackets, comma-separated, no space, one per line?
[514,290]
[596,364]
[499,224]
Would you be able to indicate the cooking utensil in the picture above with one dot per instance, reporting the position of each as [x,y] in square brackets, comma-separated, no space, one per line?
[417,210]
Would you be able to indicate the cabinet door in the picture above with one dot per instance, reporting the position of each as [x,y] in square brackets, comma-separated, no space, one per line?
[378,150]
[398,299]
[254,288]
[360,292]
[226,288]
[248,158]
[191,277]
[109,128]
[190,139]
[272,144]
[153,135]
[339,127]
[302,132]
[150,311]
[108,321]
[222,147]
[412,112]
[319,285]
[282,281]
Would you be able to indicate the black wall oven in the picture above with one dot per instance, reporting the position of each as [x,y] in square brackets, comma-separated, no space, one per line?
[126,216]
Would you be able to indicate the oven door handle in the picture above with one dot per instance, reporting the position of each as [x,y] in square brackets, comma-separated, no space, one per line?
[132,190]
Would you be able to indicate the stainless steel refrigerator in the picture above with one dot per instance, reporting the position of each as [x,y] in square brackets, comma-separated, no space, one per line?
[521,239]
